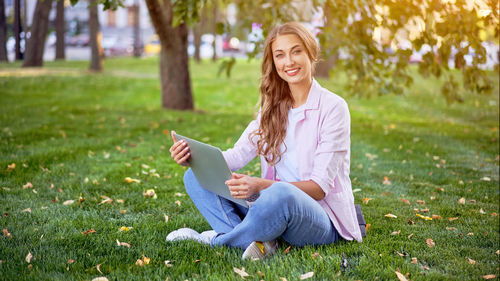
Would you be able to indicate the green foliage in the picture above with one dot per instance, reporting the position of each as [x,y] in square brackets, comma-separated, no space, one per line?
[64,125]
[186,11]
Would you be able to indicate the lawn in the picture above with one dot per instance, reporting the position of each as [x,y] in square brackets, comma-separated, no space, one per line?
[69,139]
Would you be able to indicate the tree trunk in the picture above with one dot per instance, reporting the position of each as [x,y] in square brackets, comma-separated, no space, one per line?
[39,28]
[17,29]
[60,31]
[3,33]
[137,31]
[197,41]
[94,38]
[174,64]
[323,67]
[216,16]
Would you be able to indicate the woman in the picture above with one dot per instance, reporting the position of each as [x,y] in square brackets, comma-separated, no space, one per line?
[302,135]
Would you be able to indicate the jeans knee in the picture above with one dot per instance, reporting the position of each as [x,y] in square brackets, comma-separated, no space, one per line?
[279,192]
[189,180]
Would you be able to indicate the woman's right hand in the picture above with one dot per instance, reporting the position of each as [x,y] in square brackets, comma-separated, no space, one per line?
[179,151]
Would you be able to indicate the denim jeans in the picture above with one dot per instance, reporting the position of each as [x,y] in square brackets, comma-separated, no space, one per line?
[282,209]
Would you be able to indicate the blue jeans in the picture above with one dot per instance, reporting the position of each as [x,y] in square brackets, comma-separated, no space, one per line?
[281,210]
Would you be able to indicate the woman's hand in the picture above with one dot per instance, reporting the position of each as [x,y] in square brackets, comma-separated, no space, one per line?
[243,186]
[179,151]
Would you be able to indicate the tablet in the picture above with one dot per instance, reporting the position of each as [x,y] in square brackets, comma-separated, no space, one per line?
[210,168]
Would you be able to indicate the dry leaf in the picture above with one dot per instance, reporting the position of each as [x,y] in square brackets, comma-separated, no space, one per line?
[430,242]
[122,244]
[139,262]
[368,226]
[27,210]
[307,275]
[401,255]
[481,211]
[149,193]
[241,272]
[424,217]
[400,276]
[461,201]
[424,210]
[485,179]
[178,203]
[451,228]
[166,218]
[28,185]
[131,180]
[410,236]
[425,267]
[101,278]
[145,259]
[452,219]
[98,267]
[123,211]
[404,201]
[120,201]
[11,167]
[90,231]
[167,264]
[489,276]
[195,261]
[107,200]
[440,189]
[6,233]
[390,216]
[396,232]
[421,202]
[283,279]
[497,252]
[28,257]
[436,217]
[68,202]
[260,274]
[414,260]
[287,250]
[386,181]
[471,261]
[315,255]
[366,200]
[70,261]
[494,214]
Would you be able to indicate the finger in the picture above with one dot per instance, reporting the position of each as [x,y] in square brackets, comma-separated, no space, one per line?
[172,133]
[181,154]
[237,176]
[180,147]
[184,159]
[175,145]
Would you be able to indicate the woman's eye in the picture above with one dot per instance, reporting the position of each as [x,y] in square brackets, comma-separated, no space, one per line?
[279,55]
[297,51]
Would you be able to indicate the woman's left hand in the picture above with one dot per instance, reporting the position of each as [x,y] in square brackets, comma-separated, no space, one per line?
[243,186]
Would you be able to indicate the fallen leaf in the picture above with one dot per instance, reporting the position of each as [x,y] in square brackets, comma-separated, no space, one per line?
[396,232]
[461,201]
[101,278]
[11,167]
[470,234]
[497,252]
[494,214]
[471,261]
[425,267]
[30,266]
[404,201]
[178,203]
[168,264]
[196,261]
[401,255]
[485,179]
[366,200]
[98,267]
[386,181]
[145,259]
[451,228]
[6,233]
[283,279]
[166,218]
[440,189]
[420,202]
[481,211]
[28,185]
[241,272]
[368,226]
[149,193]
[70,261]
[139,262]
[436,217]
[410,236]
[424,210]
[424,217]
[27,210]
[414,260]
[287,250]
[411,222]
[120,201]
[315,255]
[400,276]
[390,216]
[123,211]
[452,219]
[430,242]
[68,202]
[122,244]
[28,257]
[90,231]
[131,180]
[106,201]
[307,275]
[124,228]
[260,274]
[489,276]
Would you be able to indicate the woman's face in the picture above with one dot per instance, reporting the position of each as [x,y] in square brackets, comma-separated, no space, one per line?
[291,60]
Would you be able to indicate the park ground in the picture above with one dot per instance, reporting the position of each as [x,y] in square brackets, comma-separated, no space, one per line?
[87,187]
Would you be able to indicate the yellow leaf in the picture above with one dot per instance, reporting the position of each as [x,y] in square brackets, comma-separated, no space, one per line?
[414,260]
[471,261]
[145,259]
[461,201]
[131,180]
[390,216]
[124,228]
[366,200]
[400,276]
[11,167]
[149,193]
[241,272]
[430,242]
[424,217]
[28,257]
[307,275]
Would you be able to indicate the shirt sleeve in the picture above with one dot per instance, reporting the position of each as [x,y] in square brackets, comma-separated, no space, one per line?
[244,150]
[333,147]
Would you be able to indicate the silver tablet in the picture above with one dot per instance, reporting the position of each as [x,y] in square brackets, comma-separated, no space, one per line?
[210,168]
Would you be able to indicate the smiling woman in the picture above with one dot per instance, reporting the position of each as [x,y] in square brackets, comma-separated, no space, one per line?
[302,135]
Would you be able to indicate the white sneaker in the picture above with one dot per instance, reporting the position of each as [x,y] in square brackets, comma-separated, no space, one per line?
[188,233]
[260,250]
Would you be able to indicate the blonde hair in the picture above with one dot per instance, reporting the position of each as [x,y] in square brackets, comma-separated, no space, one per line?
[276,98]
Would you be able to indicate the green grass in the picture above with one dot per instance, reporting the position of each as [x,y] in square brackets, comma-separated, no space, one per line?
[74,135]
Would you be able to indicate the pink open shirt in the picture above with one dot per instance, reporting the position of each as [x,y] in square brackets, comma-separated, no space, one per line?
[322,139]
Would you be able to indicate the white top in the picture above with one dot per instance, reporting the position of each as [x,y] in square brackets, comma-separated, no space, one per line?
[287,168]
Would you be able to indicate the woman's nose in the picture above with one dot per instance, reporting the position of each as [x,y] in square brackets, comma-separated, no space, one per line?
[289,61]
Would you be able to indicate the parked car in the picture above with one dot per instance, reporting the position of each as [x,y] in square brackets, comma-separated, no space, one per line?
[153,45]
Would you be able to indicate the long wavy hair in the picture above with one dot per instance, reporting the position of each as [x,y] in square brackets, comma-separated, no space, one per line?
[275,95]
